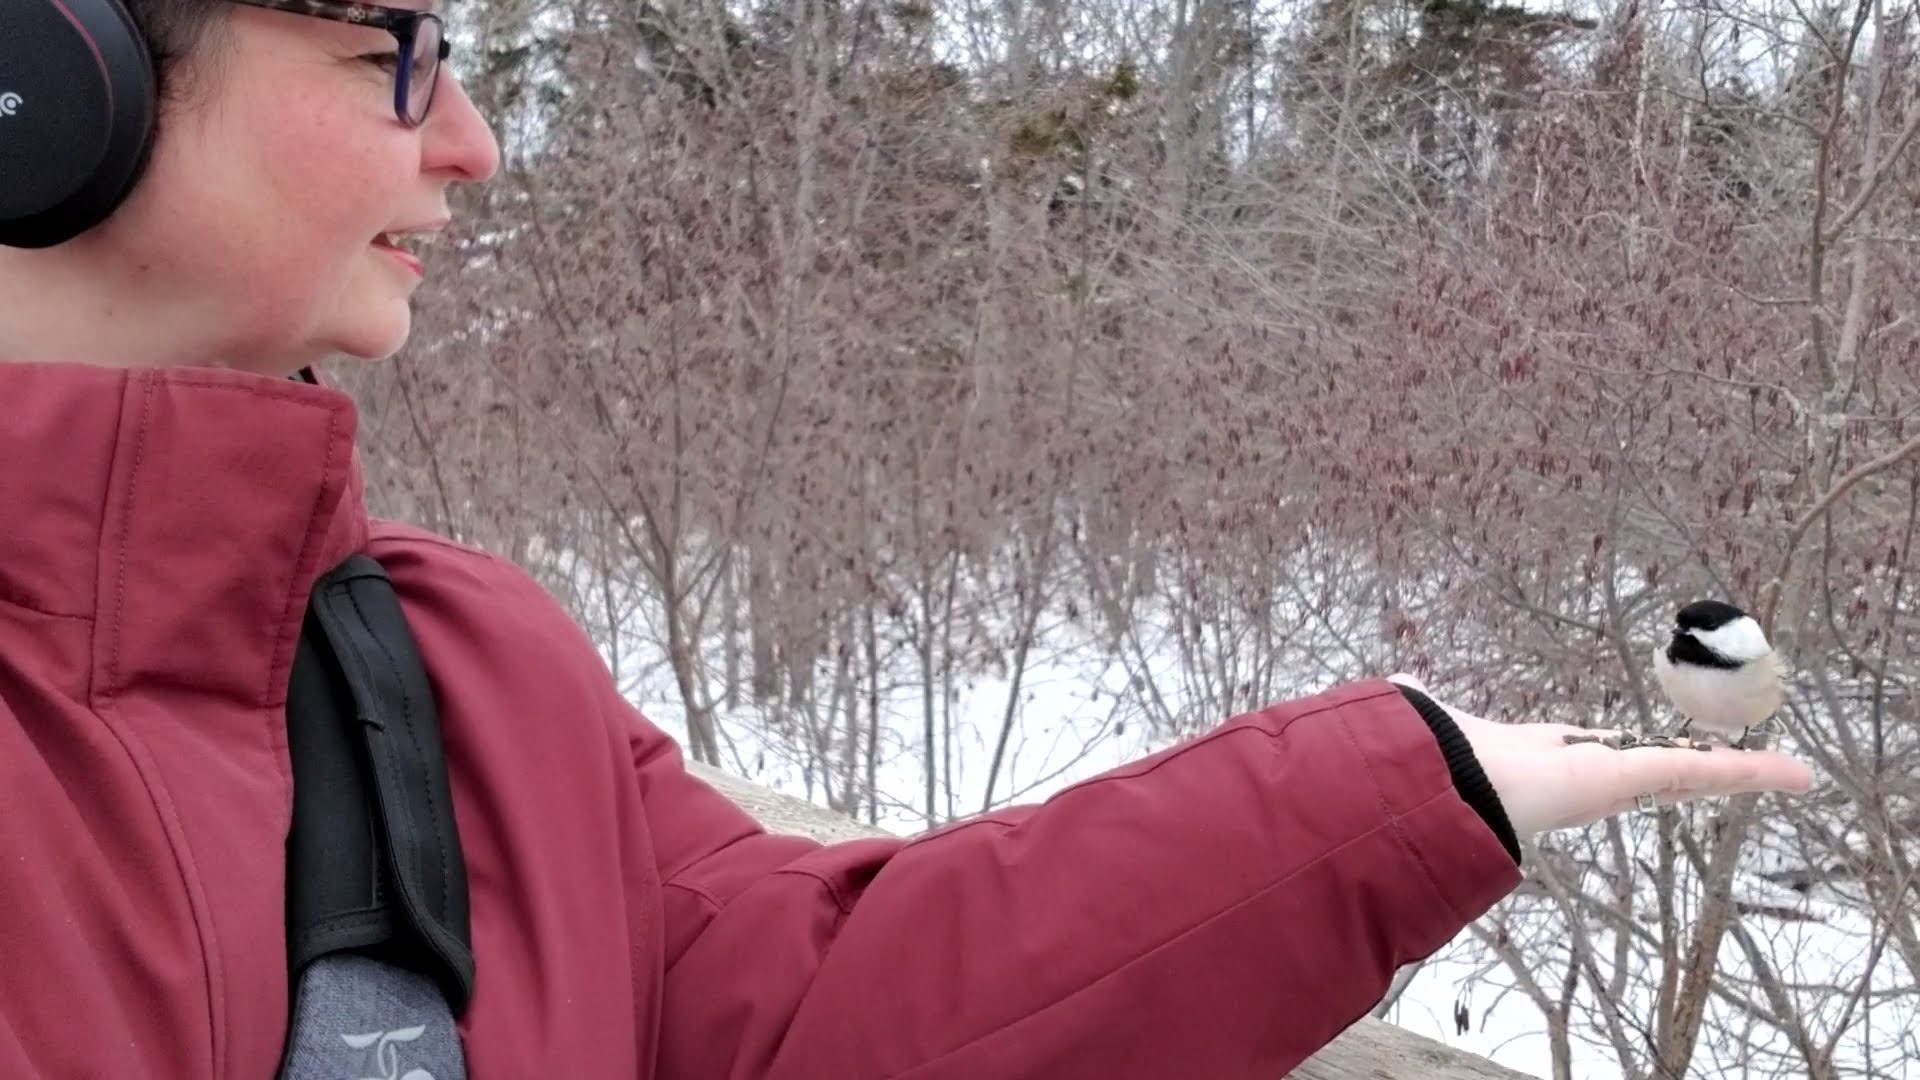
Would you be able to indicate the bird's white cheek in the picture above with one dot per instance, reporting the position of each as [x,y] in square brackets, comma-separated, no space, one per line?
[1741,639]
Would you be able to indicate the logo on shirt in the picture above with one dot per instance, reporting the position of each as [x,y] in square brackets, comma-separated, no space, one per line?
[10,103]
[386,1054]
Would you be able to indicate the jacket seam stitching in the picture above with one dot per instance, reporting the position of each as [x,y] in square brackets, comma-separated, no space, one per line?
[113,624]
[290,627]
[1393,822]
[135,749]
[184,866]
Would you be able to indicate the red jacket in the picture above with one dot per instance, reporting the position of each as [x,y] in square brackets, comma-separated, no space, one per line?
[1219,909]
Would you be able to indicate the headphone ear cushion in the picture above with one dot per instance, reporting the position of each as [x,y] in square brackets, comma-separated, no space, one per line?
[77,110]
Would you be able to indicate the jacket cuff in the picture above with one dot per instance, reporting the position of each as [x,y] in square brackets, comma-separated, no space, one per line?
[1469,779]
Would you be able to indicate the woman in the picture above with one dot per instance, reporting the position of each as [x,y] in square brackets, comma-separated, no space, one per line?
[1219,909]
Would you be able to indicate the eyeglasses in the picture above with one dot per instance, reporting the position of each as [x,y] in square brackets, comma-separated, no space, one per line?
[421,34]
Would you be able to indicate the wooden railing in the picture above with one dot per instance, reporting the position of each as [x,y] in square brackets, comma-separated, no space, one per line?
[1369,1050]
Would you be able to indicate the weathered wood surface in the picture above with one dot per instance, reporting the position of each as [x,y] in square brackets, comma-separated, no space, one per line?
[1370,1050]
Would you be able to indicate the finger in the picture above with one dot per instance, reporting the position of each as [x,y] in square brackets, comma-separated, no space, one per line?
[1686,774]
[1646,804]
[1649,803]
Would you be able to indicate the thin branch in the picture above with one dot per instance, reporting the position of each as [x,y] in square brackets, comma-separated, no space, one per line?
[1882,169]
[1825,503]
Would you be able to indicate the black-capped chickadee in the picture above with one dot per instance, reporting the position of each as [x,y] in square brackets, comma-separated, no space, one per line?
[1719,670]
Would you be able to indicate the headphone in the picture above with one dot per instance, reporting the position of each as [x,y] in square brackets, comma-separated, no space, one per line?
[77,105]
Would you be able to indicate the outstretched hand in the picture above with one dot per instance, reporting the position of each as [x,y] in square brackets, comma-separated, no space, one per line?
[1544,783]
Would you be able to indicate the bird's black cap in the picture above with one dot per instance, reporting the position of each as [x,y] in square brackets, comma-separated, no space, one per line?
[1706,615]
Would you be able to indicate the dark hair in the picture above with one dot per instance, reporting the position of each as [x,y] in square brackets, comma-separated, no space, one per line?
[176,30]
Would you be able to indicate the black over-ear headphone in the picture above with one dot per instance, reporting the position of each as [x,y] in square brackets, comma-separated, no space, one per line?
[76,116]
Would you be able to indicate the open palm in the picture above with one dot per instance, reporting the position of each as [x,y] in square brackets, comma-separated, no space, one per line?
[1544,783]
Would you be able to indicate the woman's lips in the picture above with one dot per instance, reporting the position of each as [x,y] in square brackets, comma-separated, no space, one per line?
[405,259]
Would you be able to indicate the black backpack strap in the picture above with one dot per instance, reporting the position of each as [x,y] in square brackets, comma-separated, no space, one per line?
[378,940]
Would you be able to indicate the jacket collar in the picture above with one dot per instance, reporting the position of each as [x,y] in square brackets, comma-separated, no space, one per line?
[184,513]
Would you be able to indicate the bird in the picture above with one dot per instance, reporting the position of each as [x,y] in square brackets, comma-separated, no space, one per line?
[1719,670]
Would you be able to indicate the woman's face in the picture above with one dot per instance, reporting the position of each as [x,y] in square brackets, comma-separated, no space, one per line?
[255,225]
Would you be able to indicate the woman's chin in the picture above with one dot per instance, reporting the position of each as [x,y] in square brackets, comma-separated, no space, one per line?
[374,313]
[377,339]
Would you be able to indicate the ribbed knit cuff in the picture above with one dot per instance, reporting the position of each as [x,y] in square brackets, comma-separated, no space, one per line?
[1469,779]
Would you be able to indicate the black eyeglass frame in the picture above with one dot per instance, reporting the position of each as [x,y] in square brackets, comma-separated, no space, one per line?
[402,23]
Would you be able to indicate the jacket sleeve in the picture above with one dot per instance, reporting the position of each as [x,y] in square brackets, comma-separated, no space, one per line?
[1222,908]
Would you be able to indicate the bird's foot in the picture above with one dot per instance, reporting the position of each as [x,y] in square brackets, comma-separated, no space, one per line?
[1755,736]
